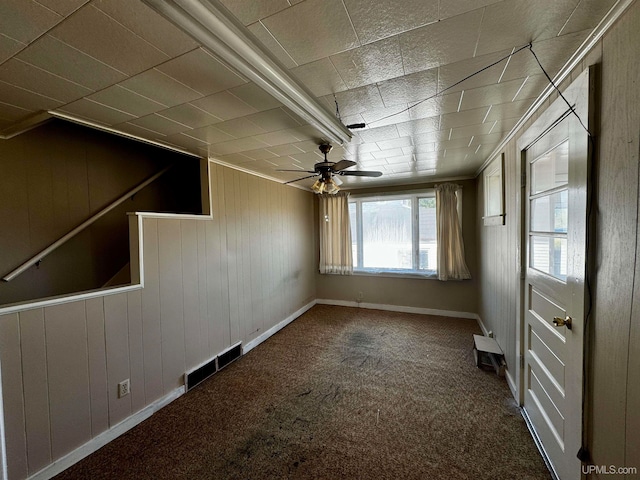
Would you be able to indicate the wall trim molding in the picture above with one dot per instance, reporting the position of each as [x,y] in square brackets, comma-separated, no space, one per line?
[247,347]
[105,437]
[512,385]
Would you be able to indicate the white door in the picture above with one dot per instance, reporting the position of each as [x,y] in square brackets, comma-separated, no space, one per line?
[555,162]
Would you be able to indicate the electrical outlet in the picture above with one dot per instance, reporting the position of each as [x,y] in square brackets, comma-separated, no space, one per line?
[124,388]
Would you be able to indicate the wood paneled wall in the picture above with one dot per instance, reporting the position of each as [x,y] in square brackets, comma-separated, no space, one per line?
[614,395]
[208,284]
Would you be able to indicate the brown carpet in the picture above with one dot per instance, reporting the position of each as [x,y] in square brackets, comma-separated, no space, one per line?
[339,393]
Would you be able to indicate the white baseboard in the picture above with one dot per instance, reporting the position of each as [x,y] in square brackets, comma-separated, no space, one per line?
[399,308]
[485,330]
[276,328]
[101,440]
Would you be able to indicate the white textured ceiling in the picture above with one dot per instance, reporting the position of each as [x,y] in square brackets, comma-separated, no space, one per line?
[119,64]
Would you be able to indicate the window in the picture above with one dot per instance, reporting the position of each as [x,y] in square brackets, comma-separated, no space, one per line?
[394,233]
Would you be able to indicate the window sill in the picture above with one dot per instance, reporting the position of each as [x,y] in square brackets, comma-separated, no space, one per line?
[415,274]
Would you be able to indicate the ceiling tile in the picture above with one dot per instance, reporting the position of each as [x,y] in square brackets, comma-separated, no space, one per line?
[160,124]
[371,63]
[378,134]
[25,20]
[249,11]
[160,87]
[12,113]
[96,112]
[463,118]
[272,120]
[256,97]
[386,116]
[39,81]
[139,131]
[67,62]
[357,100]
[520,22]
[313,29]
[209,134]
[395,143]
[532,87]
[393,152]
[498,93]
[266,38]
[281,137]
[19,97]
[384,18]
[100,36]
[552,54]
[240,127]
[424,125]
[508,110]
[201,72]
[9,47]
[282,150]
[146,23]
[440,43]
[63,7]
[236,146]
[451,8]
[126,101]
[432,107]
[184,141]
[224,105]
[235,158]
[587,15]
[451,77]
[189,115]
[410,88]
[259,154]
[321,77]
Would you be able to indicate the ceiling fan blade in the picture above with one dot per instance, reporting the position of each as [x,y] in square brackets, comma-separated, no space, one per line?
[299,171]
[360,173]
[341,165]
[298,179]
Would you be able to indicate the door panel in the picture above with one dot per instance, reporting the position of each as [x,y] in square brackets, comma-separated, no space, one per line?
[555,164]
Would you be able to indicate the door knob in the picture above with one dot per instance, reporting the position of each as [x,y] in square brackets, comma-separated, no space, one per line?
[563,322]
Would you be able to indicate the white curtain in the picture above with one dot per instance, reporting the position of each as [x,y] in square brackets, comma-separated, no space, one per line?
[451,264]
[335,234]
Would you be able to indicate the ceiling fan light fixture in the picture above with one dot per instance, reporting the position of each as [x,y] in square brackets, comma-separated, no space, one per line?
[318,186]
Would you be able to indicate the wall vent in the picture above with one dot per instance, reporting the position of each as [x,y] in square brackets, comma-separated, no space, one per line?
[229,356]
[204,371]
[200,374]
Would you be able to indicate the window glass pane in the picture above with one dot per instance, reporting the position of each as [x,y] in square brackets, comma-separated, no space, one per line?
[551,169]
[428,252]
[386,234]
[354,233]
[549,255]
[549,213]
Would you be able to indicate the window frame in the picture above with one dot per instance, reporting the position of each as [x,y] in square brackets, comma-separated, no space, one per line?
[413,196]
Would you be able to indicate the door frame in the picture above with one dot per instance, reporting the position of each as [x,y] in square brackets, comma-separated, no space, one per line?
[581,95]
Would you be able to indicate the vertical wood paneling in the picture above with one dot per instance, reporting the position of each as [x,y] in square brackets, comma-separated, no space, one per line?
[152,336]
[68,373]
[94,308]
[256,256]
[36,396]
[190,293]
[265,253]
[617,236]
[136,348]
[13,396]
[203,288]
[171,304]
[116,326]
[246,292]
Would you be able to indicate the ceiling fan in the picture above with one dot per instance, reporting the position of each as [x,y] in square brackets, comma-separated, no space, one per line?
[327,170]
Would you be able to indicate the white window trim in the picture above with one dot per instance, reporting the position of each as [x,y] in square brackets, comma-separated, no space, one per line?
[413,195]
